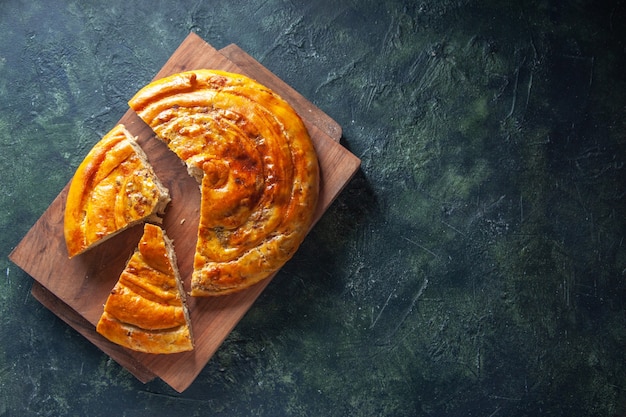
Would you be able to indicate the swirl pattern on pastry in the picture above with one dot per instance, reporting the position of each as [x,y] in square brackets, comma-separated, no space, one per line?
[113,188]
[257,167]
[146,309]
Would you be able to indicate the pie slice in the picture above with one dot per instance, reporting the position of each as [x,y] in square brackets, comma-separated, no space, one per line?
[257,168]
[146,309]
[113,188]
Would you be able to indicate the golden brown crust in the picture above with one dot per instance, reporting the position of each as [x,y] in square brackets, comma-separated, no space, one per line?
[113,188]
[157,342]
[146,309]
[257,167]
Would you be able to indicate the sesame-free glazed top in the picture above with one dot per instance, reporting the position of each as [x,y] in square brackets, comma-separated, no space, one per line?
[112,189]
[257,166]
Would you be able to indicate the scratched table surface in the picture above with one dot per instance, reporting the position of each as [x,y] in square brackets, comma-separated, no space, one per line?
[474,266]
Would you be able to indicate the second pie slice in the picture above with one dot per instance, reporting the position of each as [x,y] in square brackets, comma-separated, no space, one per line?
[146,309]
[114,188]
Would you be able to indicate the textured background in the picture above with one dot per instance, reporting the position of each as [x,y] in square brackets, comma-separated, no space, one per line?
[476,265]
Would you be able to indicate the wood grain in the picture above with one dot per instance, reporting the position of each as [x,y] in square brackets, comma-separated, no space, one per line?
[76,289]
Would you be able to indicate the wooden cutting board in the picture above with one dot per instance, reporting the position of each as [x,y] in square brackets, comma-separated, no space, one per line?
[76,289]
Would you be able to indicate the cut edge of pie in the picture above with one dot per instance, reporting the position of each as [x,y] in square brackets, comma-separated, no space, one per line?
[146,310]
[114,188]
[257,167]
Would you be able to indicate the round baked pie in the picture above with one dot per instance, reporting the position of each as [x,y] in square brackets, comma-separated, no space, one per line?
[146,309]
[113,188]
[256,165]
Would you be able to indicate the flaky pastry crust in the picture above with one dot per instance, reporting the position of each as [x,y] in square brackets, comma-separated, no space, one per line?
[146,309]
[256,164]
[113,188]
